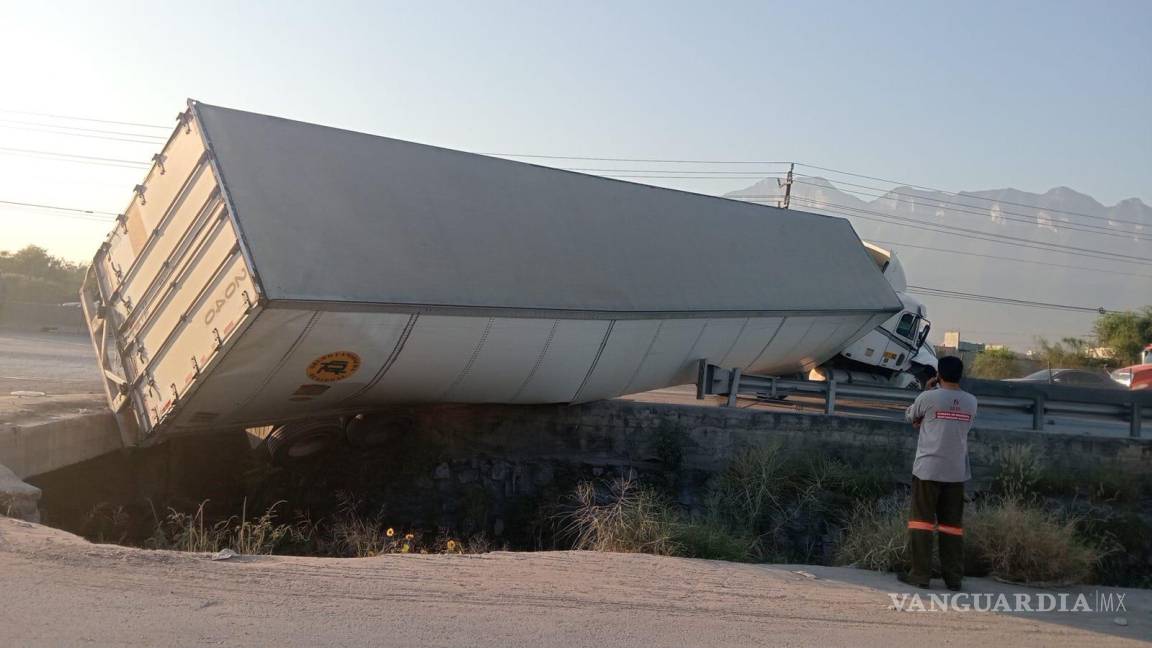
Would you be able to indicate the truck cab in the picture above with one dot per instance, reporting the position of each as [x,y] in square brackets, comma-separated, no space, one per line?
[893,354]
[891,348]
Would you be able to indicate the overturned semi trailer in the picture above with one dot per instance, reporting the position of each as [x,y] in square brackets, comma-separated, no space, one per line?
[269,270]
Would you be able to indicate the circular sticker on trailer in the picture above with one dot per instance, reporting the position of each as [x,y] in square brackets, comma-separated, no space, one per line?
[335,366]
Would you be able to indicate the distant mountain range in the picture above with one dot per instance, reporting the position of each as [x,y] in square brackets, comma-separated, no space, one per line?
[1092,254]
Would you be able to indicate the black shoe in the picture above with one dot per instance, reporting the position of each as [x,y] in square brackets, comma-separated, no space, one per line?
[903,578]
[954,587]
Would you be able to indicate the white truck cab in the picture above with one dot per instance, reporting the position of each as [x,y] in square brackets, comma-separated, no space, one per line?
[893,354]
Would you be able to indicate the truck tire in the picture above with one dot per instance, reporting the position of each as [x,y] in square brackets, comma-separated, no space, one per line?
[294,442]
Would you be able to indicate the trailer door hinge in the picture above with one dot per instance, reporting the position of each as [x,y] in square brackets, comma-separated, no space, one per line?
[139,191]
[159,160]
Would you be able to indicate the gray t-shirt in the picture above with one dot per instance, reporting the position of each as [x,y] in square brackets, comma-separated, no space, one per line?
[942,450]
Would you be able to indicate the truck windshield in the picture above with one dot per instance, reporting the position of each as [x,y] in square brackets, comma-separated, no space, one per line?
[907,326]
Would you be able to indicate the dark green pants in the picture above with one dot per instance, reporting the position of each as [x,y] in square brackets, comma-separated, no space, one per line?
[936,506]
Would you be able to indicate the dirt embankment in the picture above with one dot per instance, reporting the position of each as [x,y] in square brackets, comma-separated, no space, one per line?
[57,589]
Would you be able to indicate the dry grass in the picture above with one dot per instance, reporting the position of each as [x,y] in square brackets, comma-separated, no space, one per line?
[355,535]
[1024,544]
[1019,468]
[876,536]
[626,517]
[180,531]
[346,534]
[1007,539]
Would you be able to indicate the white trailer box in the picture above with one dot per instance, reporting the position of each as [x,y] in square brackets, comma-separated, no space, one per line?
[269,270]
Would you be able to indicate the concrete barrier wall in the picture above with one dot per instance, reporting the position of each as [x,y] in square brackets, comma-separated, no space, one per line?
[490,468]
[706,438]
[31,450]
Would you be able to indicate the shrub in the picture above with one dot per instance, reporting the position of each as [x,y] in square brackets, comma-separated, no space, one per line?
[710,538]
[994,364]
[789,500]
[186,532]
[627,517]
[1006,538]
[751,488]
[876,536]
[355,535]
[1024,544]
[1019,468]
[1124,538]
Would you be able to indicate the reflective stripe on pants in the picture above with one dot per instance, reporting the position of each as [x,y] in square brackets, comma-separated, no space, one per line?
[936,506]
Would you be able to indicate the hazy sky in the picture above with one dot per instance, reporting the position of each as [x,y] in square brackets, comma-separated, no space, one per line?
[961,95]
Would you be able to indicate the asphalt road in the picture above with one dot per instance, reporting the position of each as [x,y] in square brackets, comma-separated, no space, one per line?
[54,363]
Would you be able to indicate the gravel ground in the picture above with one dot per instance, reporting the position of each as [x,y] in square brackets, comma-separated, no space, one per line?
[59,590]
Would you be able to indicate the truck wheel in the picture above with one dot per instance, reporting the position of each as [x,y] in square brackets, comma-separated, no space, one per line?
[296,441]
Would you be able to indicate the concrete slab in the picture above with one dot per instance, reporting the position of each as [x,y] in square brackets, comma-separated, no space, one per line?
[17,499]
[41,434]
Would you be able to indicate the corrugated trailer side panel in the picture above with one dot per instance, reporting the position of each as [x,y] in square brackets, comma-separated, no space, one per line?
[170,286]
[421,358]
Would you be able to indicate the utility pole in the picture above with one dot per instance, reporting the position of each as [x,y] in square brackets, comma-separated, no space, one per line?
[788,186]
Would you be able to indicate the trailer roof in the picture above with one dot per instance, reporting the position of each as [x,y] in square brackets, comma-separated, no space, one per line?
[334,215]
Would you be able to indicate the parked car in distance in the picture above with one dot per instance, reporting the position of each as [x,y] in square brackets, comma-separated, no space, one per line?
[1072,378]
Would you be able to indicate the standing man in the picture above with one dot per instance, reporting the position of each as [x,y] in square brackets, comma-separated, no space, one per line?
[943,413]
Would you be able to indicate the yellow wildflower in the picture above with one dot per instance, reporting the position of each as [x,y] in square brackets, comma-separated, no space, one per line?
[408,536]
[451,545]
[390,532]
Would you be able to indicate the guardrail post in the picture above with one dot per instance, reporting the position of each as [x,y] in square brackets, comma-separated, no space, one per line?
[1134,422]
[734,387]
[830,404]
[701,377]
[1038,412]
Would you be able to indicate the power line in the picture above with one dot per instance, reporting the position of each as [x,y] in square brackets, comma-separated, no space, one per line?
[1006,301]
[1099,230]
[721,174]
[71,157]
[680,177]
[87,219]
[617,159]
[894,196]
[101,131]
[89,135]
[977,234]
[1061,225]
[811,166]
[951,193]
[58,208]
[896,244]
[837,182]
[87,119]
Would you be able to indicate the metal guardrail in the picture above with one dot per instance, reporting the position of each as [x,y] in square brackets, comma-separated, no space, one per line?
[1037,400]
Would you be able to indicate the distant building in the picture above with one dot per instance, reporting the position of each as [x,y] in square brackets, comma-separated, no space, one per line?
[955,344]
[1102,353]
